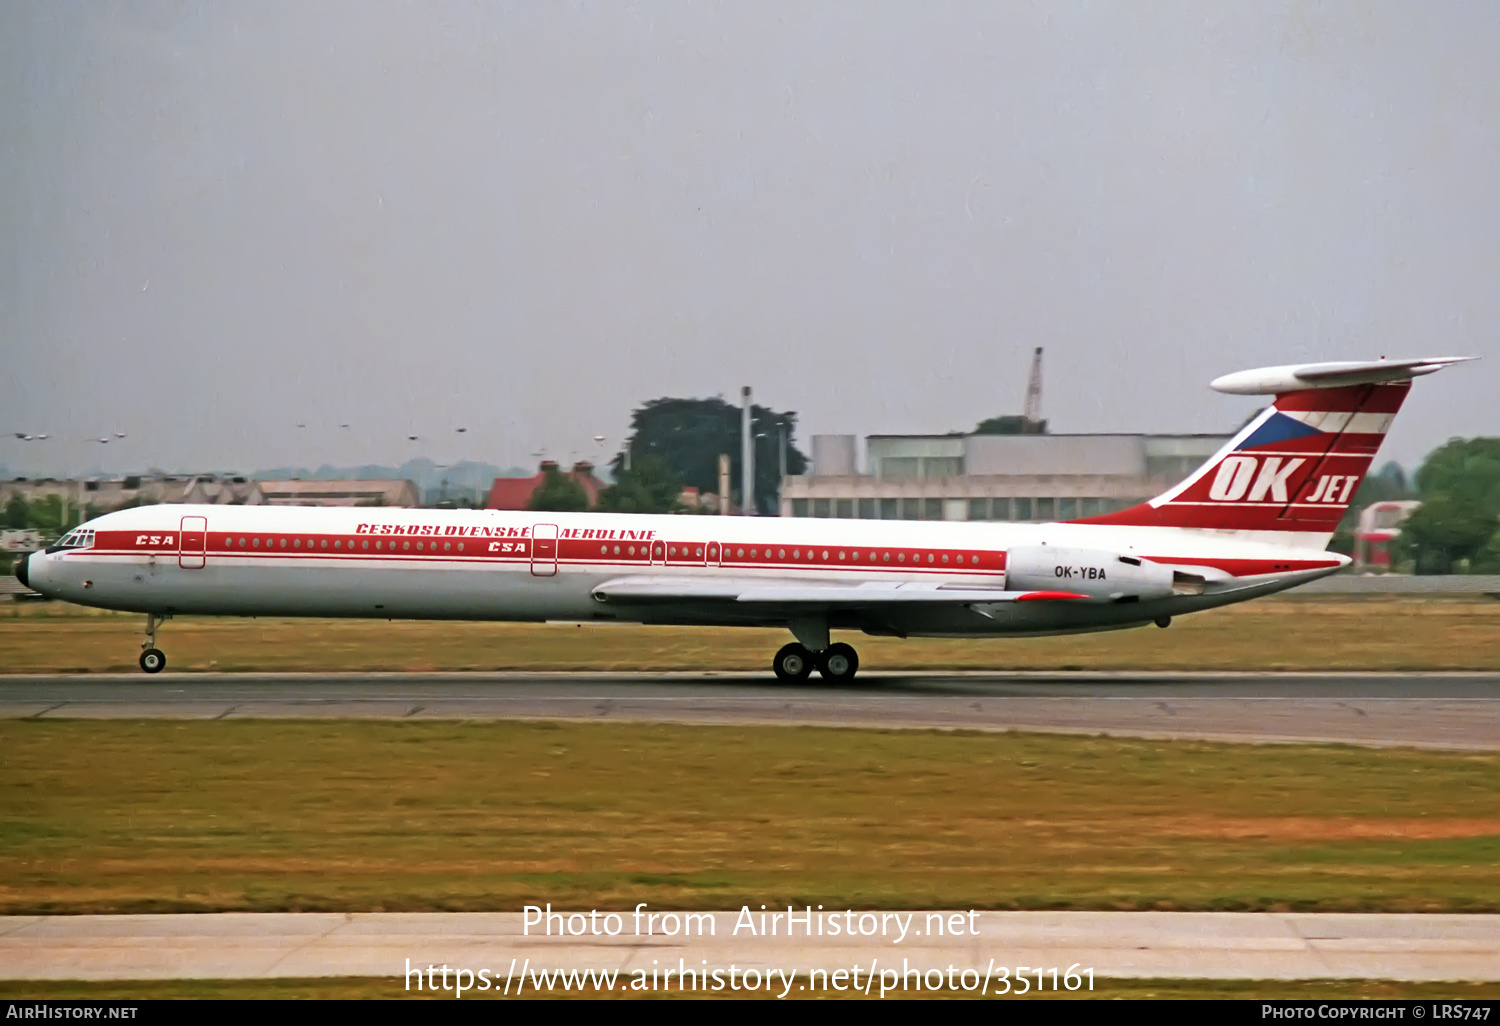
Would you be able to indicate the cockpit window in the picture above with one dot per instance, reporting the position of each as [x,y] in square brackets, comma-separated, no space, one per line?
[80,538]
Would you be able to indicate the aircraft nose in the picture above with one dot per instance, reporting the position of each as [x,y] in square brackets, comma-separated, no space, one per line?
[21,570]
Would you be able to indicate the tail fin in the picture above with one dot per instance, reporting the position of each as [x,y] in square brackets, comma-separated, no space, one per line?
[1292,470]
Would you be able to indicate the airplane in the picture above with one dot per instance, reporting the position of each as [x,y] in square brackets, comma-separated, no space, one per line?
[1253,520]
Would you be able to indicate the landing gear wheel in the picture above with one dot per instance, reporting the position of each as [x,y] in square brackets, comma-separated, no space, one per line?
[839,663]
[152,659]
[792,663]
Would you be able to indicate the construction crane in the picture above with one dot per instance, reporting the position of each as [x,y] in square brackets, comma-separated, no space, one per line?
[1033,410]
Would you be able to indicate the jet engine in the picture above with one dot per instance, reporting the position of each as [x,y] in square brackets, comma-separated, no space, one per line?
[1102,575]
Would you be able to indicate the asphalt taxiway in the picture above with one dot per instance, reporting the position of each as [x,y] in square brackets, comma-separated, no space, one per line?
[1451,711]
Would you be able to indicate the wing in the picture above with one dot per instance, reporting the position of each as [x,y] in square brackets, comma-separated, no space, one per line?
[810,596]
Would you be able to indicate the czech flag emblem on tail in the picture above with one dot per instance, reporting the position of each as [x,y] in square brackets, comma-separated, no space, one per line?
[1292,471]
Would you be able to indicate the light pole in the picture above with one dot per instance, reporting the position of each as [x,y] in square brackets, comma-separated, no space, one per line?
[747,456]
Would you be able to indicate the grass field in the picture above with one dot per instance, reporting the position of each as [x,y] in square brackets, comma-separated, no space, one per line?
[365,988]
[1384,633]
[121,816]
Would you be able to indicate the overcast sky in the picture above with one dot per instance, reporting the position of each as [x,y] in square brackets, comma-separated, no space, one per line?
[218,220]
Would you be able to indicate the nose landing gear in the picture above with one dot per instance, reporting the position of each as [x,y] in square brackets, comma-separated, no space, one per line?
[153,660]
[795,662]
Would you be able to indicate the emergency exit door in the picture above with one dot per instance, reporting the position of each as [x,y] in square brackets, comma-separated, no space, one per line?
[192,543]
[544,550]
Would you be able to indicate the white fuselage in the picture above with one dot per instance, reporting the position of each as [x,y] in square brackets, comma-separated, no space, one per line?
[493,565]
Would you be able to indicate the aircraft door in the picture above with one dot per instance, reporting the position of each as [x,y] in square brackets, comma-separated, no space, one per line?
[659,553]
[713,554]
[192,543]
[544,550]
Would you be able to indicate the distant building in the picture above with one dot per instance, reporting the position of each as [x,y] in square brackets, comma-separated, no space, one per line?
[103,494]
[22,539]
[692,500]
[516,492]
[990,477]
[339,493]
[17,542]
[213,490]
[1375,533]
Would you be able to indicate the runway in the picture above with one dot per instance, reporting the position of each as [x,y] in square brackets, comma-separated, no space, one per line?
[1446,711]
[1182,945]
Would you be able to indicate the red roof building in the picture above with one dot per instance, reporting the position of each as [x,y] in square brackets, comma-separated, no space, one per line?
[1375,534]
[516,492]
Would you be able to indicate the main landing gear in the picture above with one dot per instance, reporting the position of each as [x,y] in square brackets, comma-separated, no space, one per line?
[837,663]
[153,660]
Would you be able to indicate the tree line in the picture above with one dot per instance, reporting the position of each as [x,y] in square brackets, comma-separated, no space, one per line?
[676,444]
[1457,527]
[45,514]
